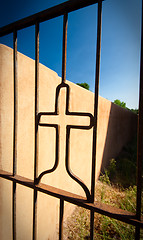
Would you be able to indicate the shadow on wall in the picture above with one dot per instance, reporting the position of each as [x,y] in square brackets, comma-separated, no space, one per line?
[122,127]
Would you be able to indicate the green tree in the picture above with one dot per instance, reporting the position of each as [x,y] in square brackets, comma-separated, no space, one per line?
[84,85]
[119,103]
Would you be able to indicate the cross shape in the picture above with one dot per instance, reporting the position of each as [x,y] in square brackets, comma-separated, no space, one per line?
[63,120]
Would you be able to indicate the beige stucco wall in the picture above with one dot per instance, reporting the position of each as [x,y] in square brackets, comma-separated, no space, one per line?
[115,128]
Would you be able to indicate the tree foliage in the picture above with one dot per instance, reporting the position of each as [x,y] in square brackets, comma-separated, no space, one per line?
[119,103]
[123,105]
[84,85]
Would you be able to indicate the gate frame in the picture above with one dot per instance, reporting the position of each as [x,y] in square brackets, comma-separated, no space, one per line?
[104,209]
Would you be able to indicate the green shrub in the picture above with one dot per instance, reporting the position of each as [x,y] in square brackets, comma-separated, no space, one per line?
[105,177]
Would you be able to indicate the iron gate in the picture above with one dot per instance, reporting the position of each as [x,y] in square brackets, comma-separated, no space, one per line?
[88,202]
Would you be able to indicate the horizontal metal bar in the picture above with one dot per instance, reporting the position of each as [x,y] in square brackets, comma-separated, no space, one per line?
[97,207]
[47,14]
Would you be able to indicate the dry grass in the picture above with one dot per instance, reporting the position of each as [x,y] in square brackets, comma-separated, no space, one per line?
[78,225]
[121,194]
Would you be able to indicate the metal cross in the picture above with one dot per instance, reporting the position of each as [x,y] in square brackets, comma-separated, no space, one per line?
[63,120]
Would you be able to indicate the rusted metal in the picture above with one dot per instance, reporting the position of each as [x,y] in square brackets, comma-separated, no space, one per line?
[61,219]
[68,128]
[37,180]
[140,140]
[50,13]
[15,122]
[36,127]
[64,56]
[98,51]
[78,200]
[71,174]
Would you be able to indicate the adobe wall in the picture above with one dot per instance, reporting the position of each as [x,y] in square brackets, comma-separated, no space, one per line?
[116,127]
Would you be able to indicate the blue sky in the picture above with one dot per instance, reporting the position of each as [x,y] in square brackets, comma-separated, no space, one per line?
[120,52]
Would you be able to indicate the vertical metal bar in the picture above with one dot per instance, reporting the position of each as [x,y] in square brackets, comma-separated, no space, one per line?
[91,225]
[61,217]
[36,95]
[15,103]
[15,122]
[36,127]
[64,52]
[35,216]
[98,51]
[137,233]
[14,211]
[140,140]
